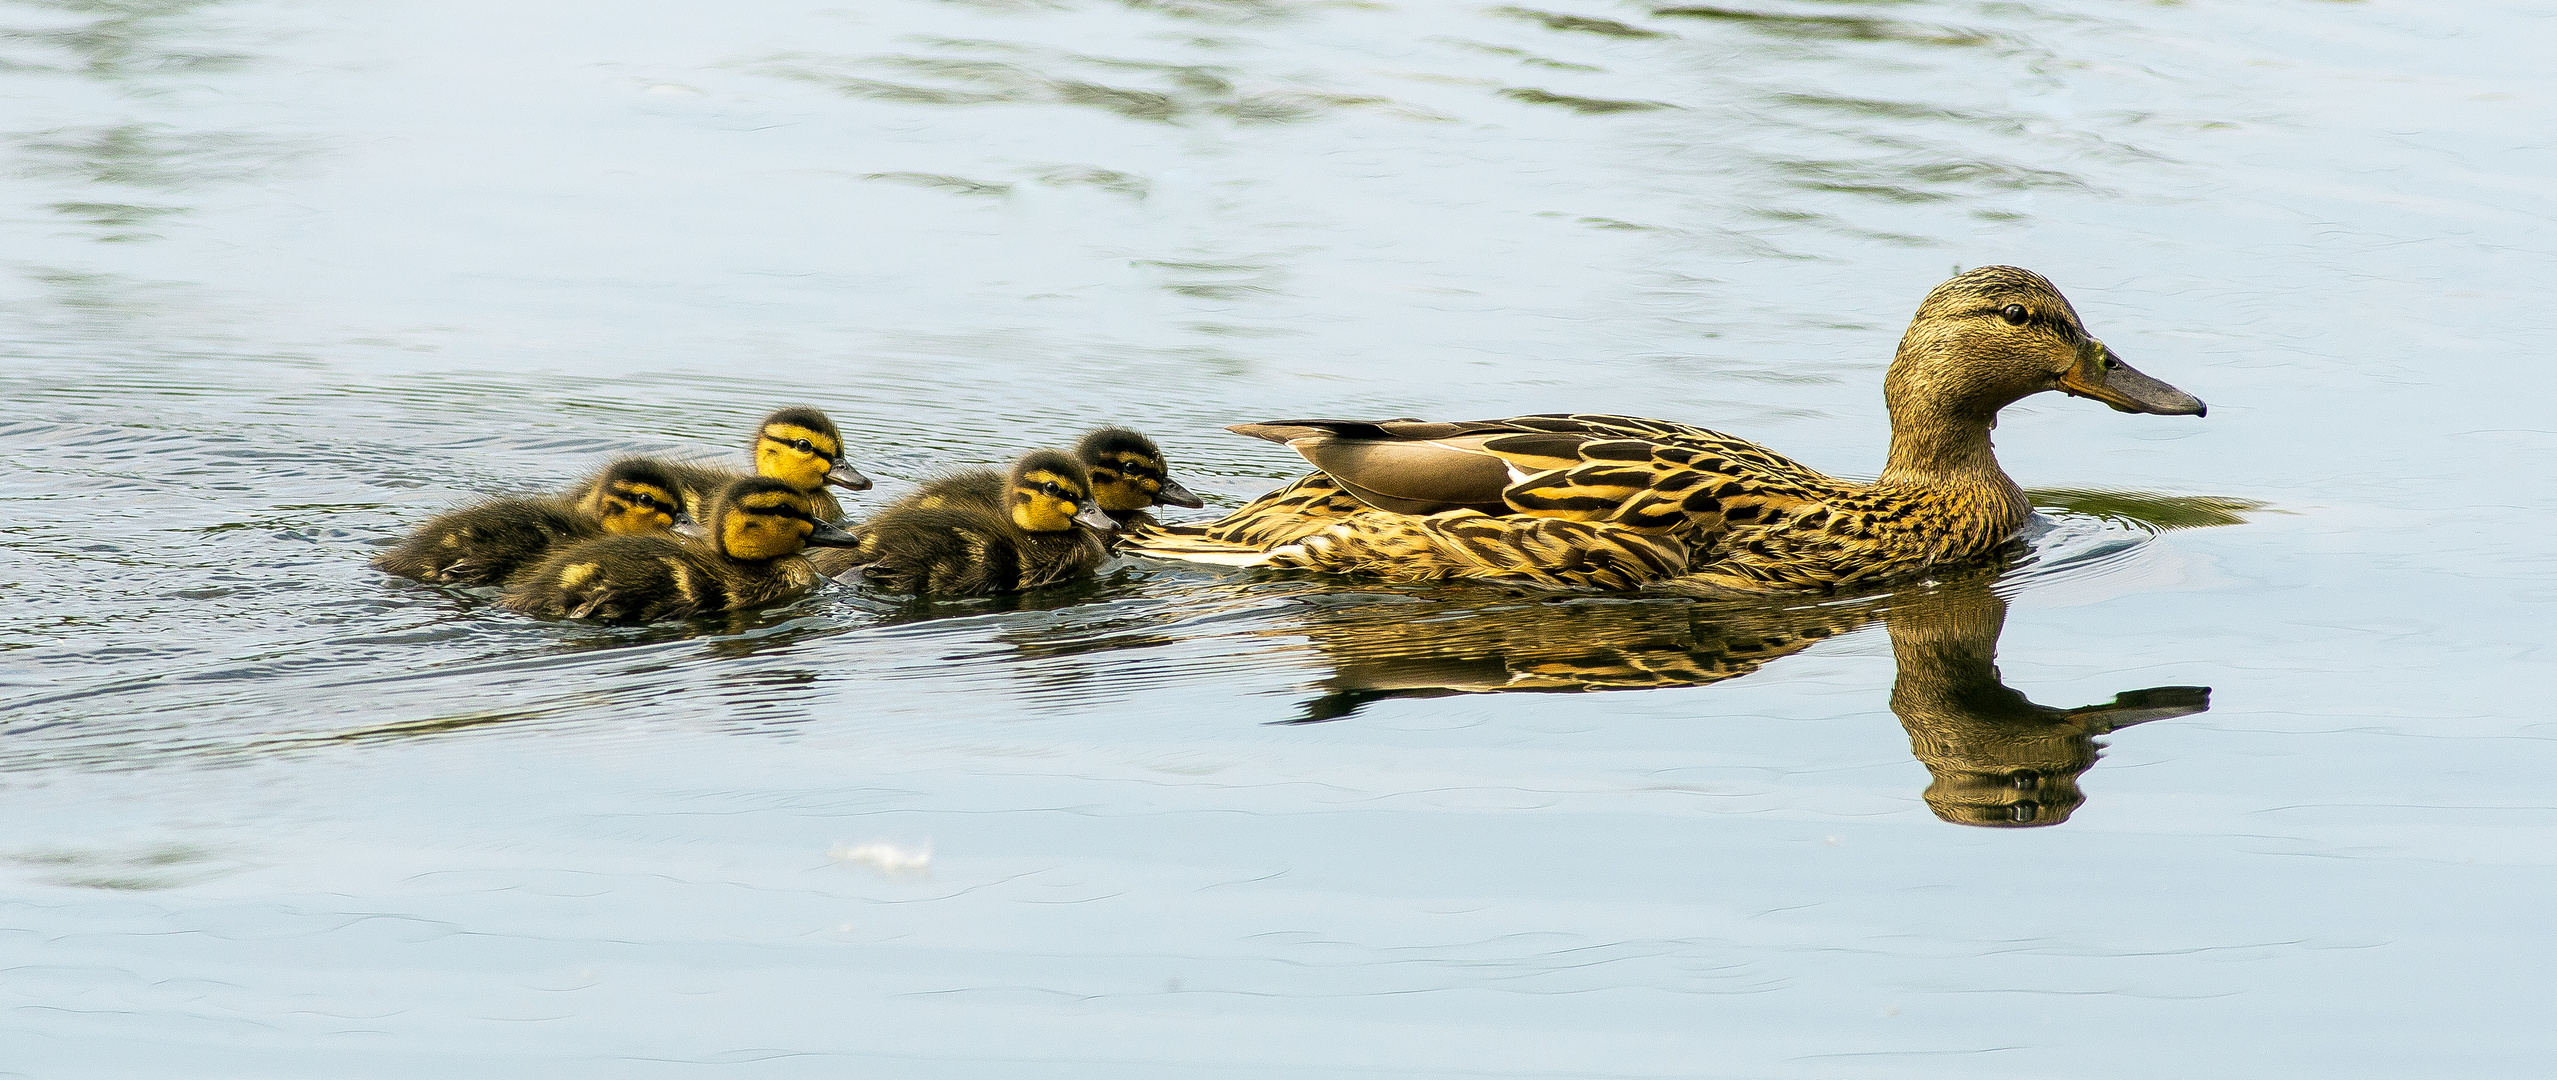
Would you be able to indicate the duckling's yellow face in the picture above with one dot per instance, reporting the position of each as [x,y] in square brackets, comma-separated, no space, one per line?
[637,506]
[766,524]
[1126,480]
[1047,500]
[795,455]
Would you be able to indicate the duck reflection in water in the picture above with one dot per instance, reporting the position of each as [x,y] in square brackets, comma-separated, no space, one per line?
[1998,759]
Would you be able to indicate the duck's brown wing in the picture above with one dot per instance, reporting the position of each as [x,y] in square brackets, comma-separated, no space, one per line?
[1644,473]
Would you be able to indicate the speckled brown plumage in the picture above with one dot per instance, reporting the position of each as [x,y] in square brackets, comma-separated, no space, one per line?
[1617,502]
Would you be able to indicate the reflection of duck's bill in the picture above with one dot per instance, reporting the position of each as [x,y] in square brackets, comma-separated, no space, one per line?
[2100,374]
[2141,706]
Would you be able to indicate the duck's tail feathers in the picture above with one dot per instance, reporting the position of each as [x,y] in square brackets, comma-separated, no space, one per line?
[1189,543]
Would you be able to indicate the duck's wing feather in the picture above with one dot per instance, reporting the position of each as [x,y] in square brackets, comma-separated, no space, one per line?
[1637,472]
[1551,552]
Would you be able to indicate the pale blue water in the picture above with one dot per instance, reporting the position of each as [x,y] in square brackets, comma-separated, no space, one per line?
[283,279]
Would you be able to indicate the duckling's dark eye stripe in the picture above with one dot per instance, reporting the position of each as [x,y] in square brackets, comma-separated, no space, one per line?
[815,450]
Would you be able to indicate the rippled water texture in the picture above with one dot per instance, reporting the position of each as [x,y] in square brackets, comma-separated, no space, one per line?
[282,280]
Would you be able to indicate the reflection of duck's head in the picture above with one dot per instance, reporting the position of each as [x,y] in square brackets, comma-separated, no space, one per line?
[1998,759]
[1130,474]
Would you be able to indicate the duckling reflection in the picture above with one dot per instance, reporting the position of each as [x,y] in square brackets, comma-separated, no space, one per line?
[1997,758]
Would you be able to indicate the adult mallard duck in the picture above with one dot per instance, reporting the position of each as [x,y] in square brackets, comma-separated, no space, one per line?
[1618,502]
[751,557]
[799,446]
[484,544]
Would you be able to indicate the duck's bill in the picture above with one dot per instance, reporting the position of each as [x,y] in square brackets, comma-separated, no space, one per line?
[825,535]
[2101,375]
[1094,516]
[1173,494]
[847,477]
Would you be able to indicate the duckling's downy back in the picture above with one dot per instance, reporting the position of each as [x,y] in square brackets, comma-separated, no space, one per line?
[750,558]
[486,543]
[949,539]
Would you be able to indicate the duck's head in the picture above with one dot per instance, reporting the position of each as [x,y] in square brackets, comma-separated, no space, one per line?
[1998,333]
[800,446]
[1050,492]
[758,518]
[1129,473]
[635,495]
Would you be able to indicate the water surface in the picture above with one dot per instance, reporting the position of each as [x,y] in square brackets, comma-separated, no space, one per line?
[284,279]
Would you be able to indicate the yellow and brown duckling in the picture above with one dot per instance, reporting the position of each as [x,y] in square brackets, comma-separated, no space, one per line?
[750,557]
[486,543]
[1127,471]
[798,446]
[947,539]
[1129,475]
[1618,502]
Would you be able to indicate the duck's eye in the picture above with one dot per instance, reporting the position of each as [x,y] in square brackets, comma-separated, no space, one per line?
[2014,314]
[803,446]
[1051,489]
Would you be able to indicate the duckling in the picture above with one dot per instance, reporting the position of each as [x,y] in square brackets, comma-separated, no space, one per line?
[948,539]
[797,445]
[486,543]
[757,528]
[1127,470]
[1129,474]
[1622,502]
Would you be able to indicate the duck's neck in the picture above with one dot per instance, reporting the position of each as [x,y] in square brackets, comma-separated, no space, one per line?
[1947,456]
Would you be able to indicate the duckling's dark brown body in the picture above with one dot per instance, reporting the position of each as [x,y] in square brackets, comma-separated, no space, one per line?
[750,558]
[971,533]
[486,543]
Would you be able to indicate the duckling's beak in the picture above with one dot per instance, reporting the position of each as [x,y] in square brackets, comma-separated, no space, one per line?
[1173,494]
[847,477]
[2100,374]
[1091,514]
[825,535]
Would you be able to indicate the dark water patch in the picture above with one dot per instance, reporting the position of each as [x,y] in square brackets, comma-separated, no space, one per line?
[957,185]
[1521,55]
[1578,104]
[1824,27]
[151,156]
[1180,92]
[123,41]
[1578,24]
